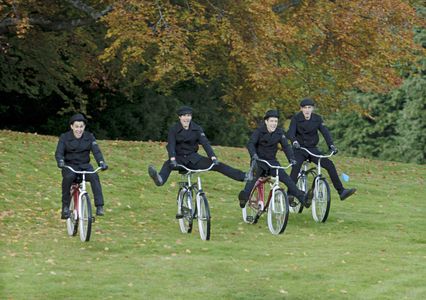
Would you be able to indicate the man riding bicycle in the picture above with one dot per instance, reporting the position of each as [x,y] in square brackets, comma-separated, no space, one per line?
[73,150]
[263,144]
[303,132]
[183,140]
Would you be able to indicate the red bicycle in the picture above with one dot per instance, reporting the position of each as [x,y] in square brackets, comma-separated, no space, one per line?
[80,207]
[276,205]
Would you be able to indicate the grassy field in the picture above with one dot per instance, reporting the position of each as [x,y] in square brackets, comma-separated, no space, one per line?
[373,246]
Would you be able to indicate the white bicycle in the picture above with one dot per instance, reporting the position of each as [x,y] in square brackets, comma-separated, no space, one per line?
[187,212]
[320,191]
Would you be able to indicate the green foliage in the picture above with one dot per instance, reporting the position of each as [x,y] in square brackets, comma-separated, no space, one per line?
[411,125]
[363,134]
[149,115]
[390,126]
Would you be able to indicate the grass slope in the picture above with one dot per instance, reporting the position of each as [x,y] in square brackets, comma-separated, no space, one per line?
[373,245]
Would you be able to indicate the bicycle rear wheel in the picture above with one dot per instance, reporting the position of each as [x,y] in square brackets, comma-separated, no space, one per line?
[278,211]
[185,212]
[203,216]
[72,221]
[321,201]
[85,218]
[251,210]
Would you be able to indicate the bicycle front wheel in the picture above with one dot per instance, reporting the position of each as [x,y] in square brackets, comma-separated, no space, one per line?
[321,201]
[203,216]
[278,211]
[185,212]
[85,218]
[72,221]
[251,211]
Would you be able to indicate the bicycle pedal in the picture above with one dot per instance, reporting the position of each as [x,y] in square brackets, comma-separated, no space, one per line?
[93,219]
[179,216]
[249,218]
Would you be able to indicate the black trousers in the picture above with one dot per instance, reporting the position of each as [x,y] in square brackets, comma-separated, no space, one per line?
[204,163]
[326,163]
[263,169]
[68,178]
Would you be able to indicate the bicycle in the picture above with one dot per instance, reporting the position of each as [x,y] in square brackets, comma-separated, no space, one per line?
[320,191]
[186,211]
[80,207]
[277,204]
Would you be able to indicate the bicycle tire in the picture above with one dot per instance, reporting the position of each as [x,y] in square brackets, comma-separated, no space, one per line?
[302,184]
[203,216]
[321,201]
[251,209]
[184,204]
[72,221]
[85,218]
[278,211]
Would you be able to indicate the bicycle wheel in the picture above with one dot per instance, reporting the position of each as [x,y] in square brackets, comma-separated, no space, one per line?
[302,184]
[203,216]
[85,218]
[251,210]
[278,211]
[321,200]
[184,203]
[72,221]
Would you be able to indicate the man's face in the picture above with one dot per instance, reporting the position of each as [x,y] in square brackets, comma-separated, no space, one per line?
[271,124]
[185,120]
[78,128]
[307,111]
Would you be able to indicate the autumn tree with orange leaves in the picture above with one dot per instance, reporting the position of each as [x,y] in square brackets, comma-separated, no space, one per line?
[266,53]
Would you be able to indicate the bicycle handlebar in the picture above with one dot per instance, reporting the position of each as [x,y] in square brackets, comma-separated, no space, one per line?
[83,172]
[196,171]
[316,155]
[274,167]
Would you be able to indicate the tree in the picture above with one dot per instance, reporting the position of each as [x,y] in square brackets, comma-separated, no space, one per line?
[45,52]
[266,53]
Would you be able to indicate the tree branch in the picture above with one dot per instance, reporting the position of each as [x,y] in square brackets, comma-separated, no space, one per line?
[89,10]
[58,25]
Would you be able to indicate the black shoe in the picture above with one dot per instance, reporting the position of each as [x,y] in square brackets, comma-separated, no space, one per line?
[99,210]
[291,201]
[154,175]
[179,216]
[65,214]
[243,199]
[346,193]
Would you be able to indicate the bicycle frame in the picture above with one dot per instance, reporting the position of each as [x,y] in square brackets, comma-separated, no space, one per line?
[275,184]
[318,175]
[189,174]
[321,190]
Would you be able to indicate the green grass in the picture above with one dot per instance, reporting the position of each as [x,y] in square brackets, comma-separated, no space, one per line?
[373,246]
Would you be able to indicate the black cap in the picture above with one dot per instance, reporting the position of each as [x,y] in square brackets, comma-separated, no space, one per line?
[306,102]
[183,110]
[78,117]
[271,114]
